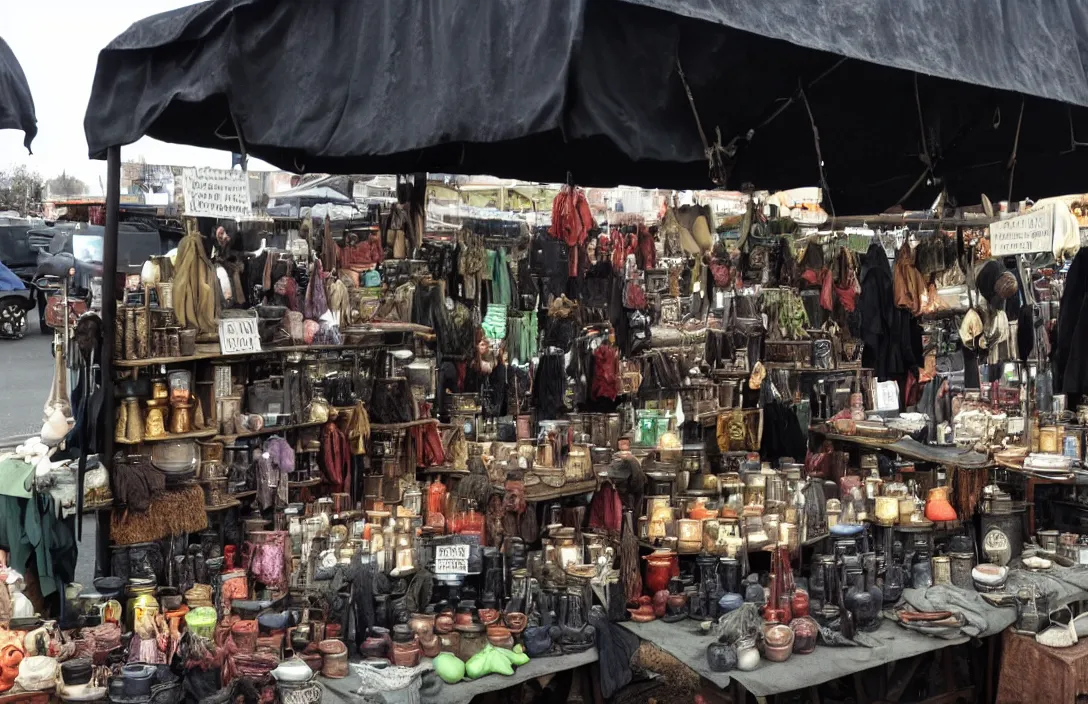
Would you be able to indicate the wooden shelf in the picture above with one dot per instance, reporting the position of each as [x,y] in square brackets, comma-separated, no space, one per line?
[211,351]
[386,427]
[305,484]
[273,430]
[209,433]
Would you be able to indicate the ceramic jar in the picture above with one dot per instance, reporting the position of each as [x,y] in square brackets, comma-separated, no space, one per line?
[443,621]
[778,643]
[500,637]
[721,657]
[676,607]
[516,622]
[406,650]
[464,614]
[804,627]
[938,508]
[747,655]
[473,640]
[660,566]
[421,624]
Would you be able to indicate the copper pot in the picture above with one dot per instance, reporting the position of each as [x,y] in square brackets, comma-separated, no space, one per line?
[500,637]
[422,624]
[516,622]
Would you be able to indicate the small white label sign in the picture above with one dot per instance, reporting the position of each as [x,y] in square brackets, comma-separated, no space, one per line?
[1031,232]
[451,559]
[239,336]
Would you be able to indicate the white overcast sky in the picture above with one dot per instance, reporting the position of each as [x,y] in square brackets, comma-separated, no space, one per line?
[57,42]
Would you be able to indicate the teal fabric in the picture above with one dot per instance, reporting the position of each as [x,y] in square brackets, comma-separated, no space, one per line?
[500,277]
[15,478]
[29,528]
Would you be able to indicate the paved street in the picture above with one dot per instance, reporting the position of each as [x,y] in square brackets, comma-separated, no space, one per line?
[26,370]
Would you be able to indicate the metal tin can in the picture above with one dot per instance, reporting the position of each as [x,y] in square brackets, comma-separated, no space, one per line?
[942,570]
[960,566]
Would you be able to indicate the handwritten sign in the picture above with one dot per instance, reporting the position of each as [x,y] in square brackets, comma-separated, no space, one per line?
[1031,232]
[451,559]
[216,193]
[239,336]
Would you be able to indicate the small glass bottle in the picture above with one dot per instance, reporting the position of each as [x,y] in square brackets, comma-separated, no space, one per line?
[436,503]
[389,544]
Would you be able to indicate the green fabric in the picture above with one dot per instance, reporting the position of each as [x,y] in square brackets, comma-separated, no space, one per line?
[15,478]
[500,277]
[30,528]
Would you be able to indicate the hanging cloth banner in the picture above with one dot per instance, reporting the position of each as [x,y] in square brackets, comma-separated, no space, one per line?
[1031,232]
[216,193]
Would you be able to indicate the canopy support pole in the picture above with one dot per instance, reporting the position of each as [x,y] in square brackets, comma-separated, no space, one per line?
[109,333]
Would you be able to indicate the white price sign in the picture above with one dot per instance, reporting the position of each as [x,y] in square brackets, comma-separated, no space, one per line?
[239,336]
[216,193]
[451,559]
[1031,232]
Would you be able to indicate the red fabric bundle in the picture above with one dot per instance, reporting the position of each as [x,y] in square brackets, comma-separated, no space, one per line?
[647,250]
[606,509]
[571,222]
[335,458]
[606,365]
[429,452]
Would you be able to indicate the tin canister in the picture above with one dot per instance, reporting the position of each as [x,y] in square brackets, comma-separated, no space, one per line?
[942,570]
[1073,443]
[960,566]
[1048,540]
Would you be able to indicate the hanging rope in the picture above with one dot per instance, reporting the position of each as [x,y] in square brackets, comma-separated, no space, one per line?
[819,154]
[714,151]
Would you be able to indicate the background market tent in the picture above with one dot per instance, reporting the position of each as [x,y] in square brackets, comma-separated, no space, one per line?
[16,103]
[907,98]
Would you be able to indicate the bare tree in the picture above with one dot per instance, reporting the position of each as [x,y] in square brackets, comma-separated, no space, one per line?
[20,189]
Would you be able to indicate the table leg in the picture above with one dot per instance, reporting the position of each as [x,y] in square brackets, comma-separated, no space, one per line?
[1029,499]
[990,647]
[859,689]
[813,695]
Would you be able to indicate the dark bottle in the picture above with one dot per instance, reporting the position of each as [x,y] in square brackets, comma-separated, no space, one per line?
[893,583]
[921,572]
[728,571]
[860,602]
[708,591]
[753,591]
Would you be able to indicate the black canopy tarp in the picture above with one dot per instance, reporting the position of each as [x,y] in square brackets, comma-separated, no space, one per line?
[16,103]
[908,96]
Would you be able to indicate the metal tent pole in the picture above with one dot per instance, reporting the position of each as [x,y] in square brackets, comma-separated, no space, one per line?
[109,333]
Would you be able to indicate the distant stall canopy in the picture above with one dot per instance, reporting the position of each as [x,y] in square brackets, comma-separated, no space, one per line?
[882,102]
[16,103]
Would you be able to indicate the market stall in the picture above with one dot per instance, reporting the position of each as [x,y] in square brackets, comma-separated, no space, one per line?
[414,458]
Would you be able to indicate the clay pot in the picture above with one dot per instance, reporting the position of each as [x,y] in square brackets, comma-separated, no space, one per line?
[421,624]
[488,616]
[500,637]
[660,602]
[721,657]
[938,508]
[645,611]
[430,644]
[516,622]
[443,622]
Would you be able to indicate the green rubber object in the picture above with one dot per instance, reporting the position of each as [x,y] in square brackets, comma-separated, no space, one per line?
[449,667]
[515,657]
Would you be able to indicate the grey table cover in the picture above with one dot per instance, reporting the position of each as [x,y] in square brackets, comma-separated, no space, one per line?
[685,642]
[435,691]
[827,663]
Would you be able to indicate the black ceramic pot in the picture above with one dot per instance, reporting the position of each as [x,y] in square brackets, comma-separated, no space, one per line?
[721,657]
